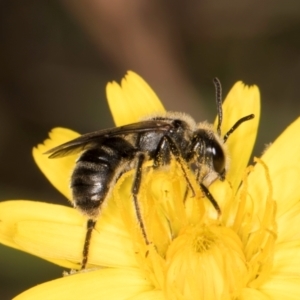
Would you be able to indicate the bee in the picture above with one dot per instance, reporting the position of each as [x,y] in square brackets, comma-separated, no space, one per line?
[107,154]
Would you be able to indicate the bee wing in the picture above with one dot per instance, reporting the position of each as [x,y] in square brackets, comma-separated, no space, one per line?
[95,138]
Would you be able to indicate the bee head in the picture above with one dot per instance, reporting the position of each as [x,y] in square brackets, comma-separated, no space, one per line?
[208,152]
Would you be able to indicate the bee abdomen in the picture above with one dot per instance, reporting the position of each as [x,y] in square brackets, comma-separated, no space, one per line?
[94,175]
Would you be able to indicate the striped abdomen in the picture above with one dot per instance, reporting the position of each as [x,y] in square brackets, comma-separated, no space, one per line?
[96,172]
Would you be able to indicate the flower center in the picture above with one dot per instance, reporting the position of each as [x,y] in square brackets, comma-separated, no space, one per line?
[203,242]
[193,254]
[200,264]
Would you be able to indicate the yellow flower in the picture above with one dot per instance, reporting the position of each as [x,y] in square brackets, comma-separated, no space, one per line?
[251,251]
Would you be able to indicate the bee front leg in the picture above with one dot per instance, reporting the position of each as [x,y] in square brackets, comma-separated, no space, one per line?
[162,157]
[210,197]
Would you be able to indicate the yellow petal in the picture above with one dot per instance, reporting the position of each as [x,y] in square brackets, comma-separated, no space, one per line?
[56,233]
[287,259]
[283,162]
[57,170]
[56,242]
[282,287]
[132,100]
[112,284]
[288,225]
[149,295]
[61,241]
[251,294]
[12,212]
[241,101]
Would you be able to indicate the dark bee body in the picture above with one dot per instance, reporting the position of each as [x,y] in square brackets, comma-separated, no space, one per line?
[107,154]
[95,172]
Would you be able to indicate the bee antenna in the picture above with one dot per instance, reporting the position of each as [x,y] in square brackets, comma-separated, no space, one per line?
[218,88]
[236,125]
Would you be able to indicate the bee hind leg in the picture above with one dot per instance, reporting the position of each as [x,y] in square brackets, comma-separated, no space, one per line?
[86,247]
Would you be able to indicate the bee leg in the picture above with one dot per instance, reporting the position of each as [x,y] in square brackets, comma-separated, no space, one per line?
[158,159]
[185,194]
[86,247]
[135,190]
[210,198]
[208,195]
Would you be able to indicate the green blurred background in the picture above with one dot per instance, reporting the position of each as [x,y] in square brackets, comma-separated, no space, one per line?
[56,57]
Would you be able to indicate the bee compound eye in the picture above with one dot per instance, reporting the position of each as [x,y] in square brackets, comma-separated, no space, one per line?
[218,158]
